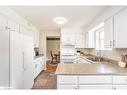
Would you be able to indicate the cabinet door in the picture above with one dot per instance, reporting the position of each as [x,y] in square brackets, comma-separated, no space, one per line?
[13,26]
[16,60]
[119,79]
[36,39]
[43,63]
[62,79]
[120,29]
[119,87]
[28,62]
[95,79]
[68,39]
[90,39]
[35,69]
[3,22]
[95,86]
[67,87]
[80,41]
[108,32]
[86,40]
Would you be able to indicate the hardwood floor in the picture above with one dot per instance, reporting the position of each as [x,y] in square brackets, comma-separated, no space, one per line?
[51,67]
[46,79]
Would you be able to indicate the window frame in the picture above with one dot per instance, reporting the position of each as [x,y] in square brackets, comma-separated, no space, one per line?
[99,30]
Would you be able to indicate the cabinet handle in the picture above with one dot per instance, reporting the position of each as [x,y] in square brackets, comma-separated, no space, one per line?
[114,88]
[75,88]
[23,62]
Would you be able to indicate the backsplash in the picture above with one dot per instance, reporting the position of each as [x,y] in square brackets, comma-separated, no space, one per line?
[85,51]
[114,54]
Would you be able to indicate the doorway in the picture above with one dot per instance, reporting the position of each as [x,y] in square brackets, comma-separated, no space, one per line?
[53,44]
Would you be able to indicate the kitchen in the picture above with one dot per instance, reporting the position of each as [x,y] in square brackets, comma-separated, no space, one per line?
[92,47]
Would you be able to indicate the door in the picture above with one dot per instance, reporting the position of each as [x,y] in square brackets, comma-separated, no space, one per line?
[108,32]
[4,54]
[16,58]
[120,29]
[28,62]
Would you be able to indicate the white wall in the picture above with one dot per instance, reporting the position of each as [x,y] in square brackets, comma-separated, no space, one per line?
[115,53]
[43,35]
[25,26]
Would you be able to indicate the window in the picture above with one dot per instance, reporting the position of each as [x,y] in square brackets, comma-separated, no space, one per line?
[100,39]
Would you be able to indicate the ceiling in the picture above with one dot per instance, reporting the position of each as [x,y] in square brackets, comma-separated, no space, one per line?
[42,16]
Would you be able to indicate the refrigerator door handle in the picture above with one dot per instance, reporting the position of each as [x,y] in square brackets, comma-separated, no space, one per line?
[23,62]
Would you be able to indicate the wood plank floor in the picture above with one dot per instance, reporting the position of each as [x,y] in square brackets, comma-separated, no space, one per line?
[46,79]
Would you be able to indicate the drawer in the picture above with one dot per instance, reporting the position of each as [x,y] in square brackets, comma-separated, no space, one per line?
[95,86]
[67,79]
[119,79]
[119,87]
[95,79]
[67,87]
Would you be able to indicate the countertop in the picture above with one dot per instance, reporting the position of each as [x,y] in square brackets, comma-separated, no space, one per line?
[38,56]
[104,68]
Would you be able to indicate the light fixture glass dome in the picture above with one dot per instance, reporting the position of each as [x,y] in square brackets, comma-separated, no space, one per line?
[60,20]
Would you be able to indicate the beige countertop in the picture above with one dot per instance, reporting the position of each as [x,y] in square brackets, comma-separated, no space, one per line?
[90,69]
[38,56]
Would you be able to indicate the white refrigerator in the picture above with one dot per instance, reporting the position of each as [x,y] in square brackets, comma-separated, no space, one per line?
[16,60]
[21,61]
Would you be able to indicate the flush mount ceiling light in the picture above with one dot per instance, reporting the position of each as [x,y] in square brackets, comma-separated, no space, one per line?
[60,20]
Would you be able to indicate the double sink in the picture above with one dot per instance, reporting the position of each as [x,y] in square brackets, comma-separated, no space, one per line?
[94,59]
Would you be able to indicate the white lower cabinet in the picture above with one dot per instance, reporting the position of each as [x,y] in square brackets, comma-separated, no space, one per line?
[39,65]
[67,80]
[95,79]
[95,86]
[115,87]
[95,82]
[84,82]
[120,82]
[92,82]
[67,86]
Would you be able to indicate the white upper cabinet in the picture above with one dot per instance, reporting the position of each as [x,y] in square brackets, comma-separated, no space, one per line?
[115,30]
[73,36]
[13,26]
[68,39]
[89,39]
[80,41]
[3,22]
[108,32]
[34,34]
[36,39]
[120,29]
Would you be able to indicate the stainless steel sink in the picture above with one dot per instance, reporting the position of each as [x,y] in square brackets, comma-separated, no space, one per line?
[96,59]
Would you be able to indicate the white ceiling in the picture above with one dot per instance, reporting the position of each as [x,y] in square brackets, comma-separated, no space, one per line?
[42,16]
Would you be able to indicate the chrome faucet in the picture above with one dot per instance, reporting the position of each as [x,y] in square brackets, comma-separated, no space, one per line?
[99,54]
